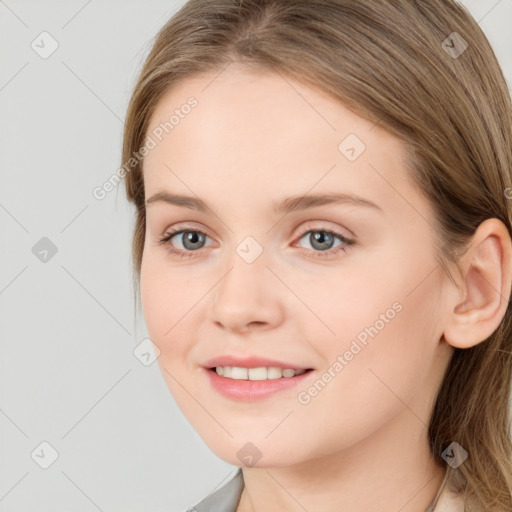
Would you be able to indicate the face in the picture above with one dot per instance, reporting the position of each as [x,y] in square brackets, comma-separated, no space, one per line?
[349,290]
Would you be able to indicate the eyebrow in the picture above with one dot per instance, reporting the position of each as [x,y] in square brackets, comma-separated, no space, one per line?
[290,204]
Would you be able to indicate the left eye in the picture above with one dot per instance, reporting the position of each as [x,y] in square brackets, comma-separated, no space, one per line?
[321,241]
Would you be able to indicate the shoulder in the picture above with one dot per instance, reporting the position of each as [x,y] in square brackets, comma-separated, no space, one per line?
[225,499]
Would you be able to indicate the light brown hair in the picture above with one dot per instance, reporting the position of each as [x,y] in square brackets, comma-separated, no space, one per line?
[389,62]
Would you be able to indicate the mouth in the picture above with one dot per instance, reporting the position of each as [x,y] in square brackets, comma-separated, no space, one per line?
[249,384]
[257,374]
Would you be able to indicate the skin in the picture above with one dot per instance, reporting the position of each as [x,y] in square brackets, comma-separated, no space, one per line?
[255,138]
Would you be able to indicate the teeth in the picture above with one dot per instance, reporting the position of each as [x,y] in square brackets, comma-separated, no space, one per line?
[238,373]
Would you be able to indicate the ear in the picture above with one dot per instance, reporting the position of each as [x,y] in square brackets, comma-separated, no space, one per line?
[477,308]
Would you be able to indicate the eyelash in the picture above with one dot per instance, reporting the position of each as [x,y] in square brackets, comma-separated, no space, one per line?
[166,241]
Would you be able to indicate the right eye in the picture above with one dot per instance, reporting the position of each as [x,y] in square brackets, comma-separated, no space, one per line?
[188,238]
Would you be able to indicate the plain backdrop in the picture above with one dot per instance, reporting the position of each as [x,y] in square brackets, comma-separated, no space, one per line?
[73,396]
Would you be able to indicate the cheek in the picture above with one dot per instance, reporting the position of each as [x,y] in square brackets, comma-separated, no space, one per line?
[172,306]
[385,338]
[386,377]
[162,296]
[155,300]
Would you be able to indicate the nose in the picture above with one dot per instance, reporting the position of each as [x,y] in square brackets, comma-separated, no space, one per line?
[248,297]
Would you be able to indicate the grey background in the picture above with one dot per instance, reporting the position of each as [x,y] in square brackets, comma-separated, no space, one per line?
[68,375]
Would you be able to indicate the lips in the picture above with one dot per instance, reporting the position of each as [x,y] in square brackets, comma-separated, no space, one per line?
[252,362]
[250,390]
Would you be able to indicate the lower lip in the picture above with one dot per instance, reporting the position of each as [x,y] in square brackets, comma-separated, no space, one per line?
[253,389]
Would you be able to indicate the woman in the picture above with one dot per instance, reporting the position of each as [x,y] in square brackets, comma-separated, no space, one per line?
[323,249]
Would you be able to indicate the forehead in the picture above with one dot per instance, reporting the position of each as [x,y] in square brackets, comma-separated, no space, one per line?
[262,134]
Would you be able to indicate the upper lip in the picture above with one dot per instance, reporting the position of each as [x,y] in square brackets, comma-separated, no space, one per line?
[251,362]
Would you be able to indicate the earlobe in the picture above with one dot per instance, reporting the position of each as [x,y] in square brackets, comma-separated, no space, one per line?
[478,308]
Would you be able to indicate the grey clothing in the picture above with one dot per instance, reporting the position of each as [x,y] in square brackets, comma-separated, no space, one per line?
[225,499]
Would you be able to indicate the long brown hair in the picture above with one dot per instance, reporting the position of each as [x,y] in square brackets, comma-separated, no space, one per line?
[423,70]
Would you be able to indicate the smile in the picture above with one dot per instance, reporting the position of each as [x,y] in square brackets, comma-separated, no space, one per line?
[248,384]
